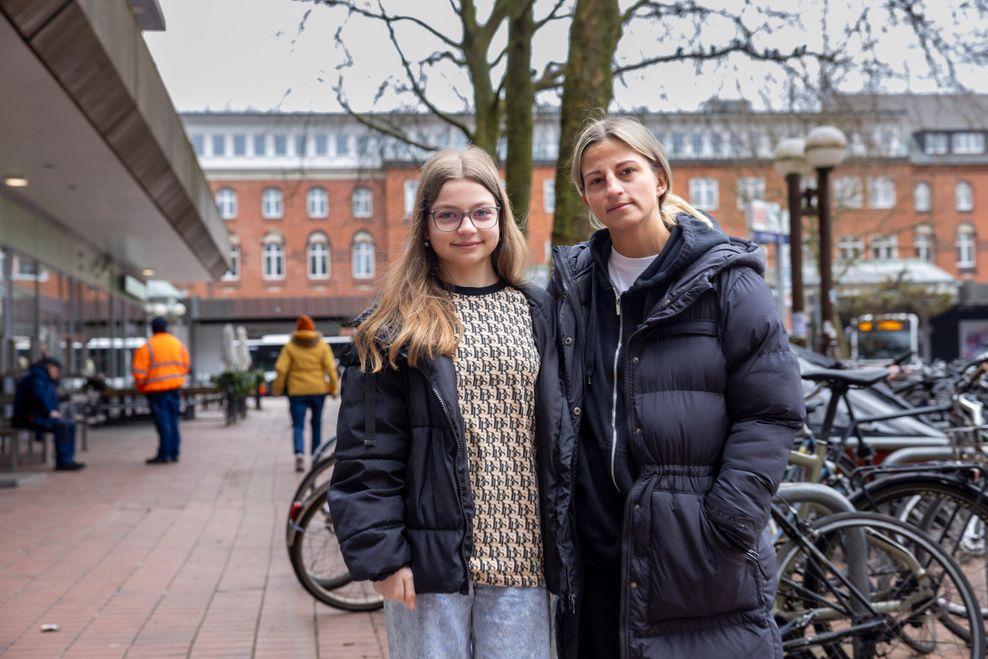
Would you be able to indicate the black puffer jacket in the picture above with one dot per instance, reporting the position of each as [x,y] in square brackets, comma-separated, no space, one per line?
[401,495]
[712,404]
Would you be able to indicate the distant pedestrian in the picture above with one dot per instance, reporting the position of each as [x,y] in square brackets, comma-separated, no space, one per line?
[36,408]
[160,368]
[307,367]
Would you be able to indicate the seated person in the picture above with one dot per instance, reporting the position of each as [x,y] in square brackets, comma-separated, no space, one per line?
[36,407]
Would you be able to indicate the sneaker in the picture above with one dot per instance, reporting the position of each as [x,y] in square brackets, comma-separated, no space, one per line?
[157,460]
[70,466]
[299,462]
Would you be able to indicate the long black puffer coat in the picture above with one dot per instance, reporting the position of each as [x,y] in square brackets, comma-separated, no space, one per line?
[400,493]
[713,405]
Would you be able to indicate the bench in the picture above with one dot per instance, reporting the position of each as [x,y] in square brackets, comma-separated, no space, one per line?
[10,437]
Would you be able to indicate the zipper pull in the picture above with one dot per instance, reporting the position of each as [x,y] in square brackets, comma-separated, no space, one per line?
[617,304]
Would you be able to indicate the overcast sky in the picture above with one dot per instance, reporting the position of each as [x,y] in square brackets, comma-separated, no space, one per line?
[239,55]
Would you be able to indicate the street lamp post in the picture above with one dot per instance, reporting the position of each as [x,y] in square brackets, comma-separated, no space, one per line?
[790,161]
[826,147]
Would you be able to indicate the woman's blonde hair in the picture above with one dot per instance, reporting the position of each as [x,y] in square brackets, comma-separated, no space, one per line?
[640,139]
[415,312]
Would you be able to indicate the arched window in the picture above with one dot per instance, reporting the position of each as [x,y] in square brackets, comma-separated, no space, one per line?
[362,255]
[965,243]
[233,274]
[922,198]
[272,205]
[362,202]
[963,196]
[273,256]
[318,202]
[226,203]
[923,242]
[317,256]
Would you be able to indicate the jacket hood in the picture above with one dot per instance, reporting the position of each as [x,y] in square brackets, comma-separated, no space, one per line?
[306,338]
[40,370]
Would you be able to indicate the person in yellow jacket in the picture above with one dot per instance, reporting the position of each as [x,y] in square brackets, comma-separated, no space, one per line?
[307,367]
[160,367]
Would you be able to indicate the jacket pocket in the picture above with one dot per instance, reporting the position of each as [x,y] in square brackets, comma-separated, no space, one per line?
[684,569]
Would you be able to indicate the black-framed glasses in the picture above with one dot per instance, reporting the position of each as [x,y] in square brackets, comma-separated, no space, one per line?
[450,219]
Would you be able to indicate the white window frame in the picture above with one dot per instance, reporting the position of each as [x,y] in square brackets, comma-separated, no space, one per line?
[848,192]
[922,197]
[963,197]
[273,259]
[549,195]
[317,202]
[409,188]
[884,246]
[272,204]
[923,243]
[704,193]
[226,203]
[750,188]
[849,248]
[362,256]
[967,143]
[217,139]
[881,192]
[317,257]
[238,146]
[362,202]
[936,144]
[966,246]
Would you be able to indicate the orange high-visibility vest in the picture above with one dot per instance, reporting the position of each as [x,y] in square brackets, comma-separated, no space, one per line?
[160,364]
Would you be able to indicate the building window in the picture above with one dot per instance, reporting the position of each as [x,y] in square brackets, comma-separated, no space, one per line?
[280,145]
[318,256]
[922,198]
[935,144]
[362,256]
[549,195]
[963,196]
[260,144]
[233,274]
[965,246]
[198,144]
[318,202]
[881,192]
[967,143]
[342,144]
[226,203]
[322,144]
[28,269]
[696,141]
[239,144]
[884,247]
[219,145]
[750,188]
[923,242]
[678,143]
[847,192]
[849,248]
[272,206]
[703,193]
[273,257]
[300,143]
[362,202]
[363,145]
[410,187]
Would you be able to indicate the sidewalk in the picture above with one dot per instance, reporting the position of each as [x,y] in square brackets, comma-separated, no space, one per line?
[179,560]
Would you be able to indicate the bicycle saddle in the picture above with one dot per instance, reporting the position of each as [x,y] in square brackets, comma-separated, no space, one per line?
[860,378]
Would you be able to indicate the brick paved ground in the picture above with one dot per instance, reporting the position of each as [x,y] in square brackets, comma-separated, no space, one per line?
[183,560]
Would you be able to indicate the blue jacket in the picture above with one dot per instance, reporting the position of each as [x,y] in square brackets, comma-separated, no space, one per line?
[36,397]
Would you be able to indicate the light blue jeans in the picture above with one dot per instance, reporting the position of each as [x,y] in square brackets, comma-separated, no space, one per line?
[490,622]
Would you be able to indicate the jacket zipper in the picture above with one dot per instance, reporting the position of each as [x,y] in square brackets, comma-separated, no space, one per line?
[614,403]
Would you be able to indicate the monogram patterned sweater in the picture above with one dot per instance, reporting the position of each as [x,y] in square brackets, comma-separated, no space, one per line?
[496,368]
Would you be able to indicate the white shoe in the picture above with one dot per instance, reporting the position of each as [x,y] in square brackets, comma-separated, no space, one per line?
[299,462]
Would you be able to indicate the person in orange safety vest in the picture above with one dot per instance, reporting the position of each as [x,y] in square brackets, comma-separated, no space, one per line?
[160,368]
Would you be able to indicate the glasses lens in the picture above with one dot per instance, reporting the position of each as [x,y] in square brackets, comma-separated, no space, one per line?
[484,218]
[447,220]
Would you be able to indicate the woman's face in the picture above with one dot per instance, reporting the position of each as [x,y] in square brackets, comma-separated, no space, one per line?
[465,251]
[620,186]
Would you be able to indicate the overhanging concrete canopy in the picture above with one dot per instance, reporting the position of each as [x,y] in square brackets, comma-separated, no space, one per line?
[87,120]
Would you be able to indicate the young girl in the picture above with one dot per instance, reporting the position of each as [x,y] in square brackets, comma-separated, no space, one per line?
[685,399]
[450,429]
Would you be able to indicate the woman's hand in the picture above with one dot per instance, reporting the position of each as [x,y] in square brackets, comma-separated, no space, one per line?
[398,587]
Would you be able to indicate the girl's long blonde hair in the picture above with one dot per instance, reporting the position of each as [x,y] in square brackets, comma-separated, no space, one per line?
[638,138]
[414,313]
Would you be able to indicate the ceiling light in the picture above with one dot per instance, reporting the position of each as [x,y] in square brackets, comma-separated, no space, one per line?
[148,272]
[15,181]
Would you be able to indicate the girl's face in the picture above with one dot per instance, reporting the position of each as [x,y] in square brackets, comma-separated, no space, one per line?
[464,250]
[620,186]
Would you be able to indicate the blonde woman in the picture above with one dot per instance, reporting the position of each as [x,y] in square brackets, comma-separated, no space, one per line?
[450,428]
[685,400]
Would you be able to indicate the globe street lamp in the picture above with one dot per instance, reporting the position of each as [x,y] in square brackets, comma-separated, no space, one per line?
[826,147]
[790,161]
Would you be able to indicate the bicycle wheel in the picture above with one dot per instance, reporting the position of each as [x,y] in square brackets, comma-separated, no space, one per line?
[318,564]
[953,512]
[911,597]
[320,474]
[323,458]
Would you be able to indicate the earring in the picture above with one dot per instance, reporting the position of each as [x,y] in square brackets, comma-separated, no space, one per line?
[426,243]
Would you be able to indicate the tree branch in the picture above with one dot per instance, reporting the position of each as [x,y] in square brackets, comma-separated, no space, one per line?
[389,18]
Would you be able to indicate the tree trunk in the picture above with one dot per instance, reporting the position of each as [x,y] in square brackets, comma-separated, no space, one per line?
[519,99]
[588,86]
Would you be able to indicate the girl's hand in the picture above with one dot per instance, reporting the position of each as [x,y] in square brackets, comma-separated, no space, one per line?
[398,587]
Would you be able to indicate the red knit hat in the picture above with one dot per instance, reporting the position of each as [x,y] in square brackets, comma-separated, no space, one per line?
[304,323]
